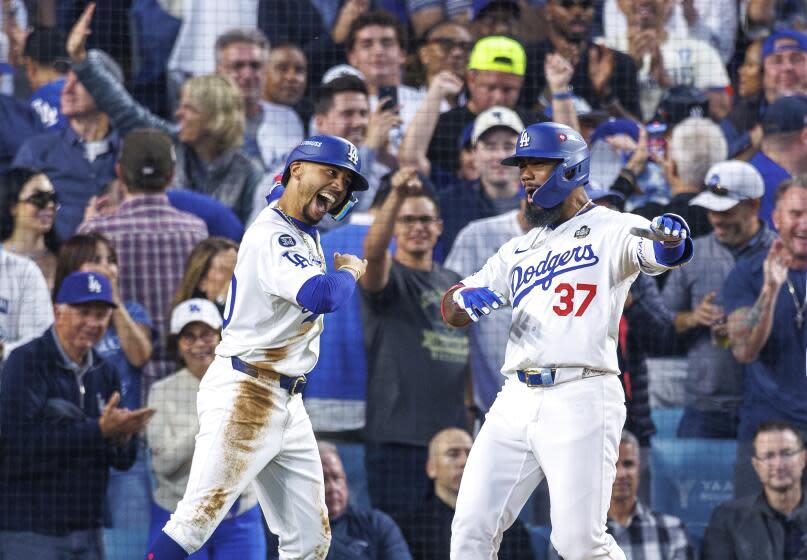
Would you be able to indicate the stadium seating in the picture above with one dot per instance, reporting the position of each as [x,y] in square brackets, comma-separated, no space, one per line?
[666,421]
[691,477]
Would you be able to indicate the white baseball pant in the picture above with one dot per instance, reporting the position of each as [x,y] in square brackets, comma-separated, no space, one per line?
[253,430]
[568,433]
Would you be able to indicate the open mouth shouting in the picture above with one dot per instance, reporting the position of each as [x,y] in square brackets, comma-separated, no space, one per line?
[325,201]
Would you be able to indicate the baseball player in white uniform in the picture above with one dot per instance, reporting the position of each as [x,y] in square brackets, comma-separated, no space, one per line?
[561,410]
[253,426]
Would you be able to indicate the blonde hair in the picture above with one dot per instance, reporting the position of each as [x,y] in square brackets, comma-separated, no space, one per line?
[220,98]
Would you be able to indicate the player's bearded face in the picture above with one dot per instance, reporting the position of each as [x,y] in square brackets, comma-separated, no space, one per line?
[540,217]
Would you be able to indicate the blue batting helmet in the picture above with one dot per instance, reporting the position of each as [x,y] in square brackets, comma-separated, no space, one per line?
[331,150]
[548,140]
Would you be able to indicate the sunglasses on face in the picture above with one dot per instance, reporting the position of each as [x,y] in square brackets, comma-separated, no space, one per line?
[41,199]
[447,44]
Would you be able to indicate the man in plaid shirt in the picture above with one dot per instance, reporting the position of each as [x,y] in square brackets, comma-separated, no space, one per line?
[151,237]
[639,532]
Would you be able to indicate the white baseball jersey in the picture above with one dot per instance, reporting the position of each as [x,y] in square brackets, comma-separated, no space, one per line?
[263,323]
[571,282]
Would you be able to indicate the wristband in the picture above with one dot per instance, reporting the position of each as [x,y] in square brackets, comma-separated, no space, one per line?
[562,95]
[448,301]
[356,272]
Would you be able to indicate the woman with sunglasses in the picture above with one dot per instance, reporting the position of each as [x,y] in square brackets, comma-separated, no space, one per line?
[195,332]
[26,219]
[127,344]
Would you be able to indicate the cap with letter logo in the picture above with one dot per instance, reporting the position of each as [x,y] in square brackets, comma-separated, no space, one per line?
[85,287]
[193,310]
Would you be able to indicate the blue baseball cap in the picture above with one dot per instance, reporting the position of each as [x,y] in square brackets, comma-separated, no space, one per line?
[786,114]
[613,127]
[85,287]
[797,42]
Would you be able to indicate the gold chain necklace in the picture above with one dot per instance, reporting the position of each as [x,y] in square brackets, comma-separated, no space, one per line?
[314,252]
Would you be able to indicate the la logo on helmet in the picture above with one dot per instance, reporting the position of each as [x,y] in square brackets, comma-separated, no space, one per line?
[524,141]
[353,154]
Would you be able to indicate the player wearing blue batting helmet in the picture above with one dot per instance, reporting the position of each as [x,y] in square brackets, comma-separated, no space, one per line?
[331,150]
[555,142]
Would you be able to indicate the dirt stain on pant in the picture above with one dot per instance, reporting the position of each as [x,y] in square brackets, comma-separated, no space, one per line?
[321,551]
[248,422]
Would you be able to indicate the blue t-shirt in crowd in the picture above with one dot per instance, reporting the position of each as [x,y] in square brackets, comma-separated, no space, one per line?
[341,371]
[46,101]
[773,174]
[776,382]
[20,122]
[110,350]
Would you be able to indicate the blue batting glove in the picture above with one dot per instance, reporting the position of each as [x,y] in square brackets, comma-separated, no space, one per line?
[477,301]
[671,229]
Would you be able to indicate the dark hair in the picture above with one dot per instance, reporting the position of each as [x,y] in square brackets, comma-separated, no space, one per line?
[776,426]
[13,182]
[377,17]
[76,251]
[323,98]
[46,47]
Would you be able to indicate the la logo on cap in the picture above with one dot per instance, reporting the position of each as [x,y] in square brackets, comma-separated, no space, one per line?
[93,285]
[524,141]
[194,308]
[353,154]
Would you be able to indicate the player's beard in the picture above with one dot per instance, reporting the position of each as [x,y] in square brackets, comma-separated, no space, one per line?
[541,217]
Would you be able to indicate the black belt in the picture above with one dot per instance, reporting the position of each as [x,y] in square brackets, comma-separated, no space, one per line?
[293,385]
[545,376]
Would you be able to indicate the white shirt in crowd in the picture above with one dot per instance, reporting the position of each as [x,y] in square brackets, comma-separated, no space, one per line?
[202,22]
[716,24]
[25,306]
[171,436]
[687,61]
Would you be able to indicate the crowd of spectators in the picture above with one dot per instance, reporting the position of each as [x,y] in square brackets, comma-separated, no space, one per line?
[139,139]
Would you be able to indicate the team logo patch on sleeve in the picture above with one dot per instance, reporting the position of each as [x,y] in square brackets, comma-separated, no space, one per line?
[286,240]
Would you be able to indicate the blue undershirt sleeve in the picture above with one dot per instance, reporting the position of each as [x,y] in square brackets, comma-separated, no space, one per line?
[325,293]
